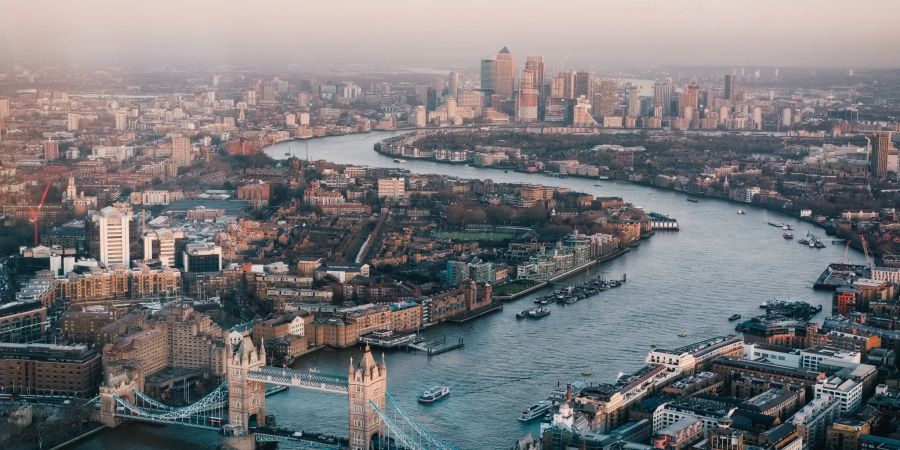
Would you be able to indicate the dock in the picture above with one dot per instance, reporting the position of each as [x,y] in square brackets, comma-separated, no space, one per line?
[437,346]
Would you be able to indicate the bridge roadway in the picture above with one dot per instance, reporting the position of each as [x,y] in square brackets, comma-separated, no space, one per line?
[297,378]
[306,440]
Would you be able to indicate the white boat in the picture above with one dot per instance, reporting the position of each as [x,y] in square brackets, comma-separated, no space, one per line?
[536,410]
[401,161]
[741,212]
[434,394]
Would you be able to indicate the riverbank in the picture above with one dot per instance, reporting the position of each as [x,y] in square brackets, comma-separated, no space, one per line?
[80,437]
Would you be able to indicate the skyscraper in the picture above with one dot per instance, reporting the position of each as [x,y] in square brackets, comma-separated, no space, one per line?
[728,92]
[605,99]
[112,225]
[584,84]
[453,84]
[504,74]
[662,95]
[880,151]
[488,72]
[4,108]
[536,65]
[634,102]
[527,98]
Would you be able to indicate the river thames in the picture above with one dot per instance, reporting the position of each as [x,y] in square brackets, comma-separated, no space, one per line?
[719,264]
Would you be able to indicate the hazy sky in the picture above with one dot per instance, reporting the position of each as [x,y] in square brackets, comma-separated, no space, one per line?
[577,34]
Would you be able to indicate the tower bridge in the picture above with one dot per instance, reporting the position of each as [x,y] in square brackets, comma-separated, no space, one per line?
[237,407]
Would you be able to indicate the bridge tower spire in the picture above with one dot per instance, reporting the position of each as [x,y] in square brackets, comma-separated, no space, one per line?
[246,398]
[366,383]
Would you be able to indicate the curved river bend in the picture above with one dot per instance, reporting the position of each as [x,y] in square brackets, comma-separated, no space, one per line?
[719,264]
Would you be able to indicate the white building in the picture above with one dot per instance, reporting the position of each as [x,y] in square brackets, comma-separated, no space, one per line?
[812,358]
[847,391]
[775,355]
[112,224]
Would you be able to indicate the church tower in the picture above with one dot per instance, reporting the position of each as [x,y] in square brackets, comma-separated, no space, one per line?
[246,398]
[366,382]
[71,190]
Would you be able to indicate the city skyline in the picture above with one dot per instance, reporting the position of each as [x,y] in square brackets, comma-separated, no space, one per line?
[586,35]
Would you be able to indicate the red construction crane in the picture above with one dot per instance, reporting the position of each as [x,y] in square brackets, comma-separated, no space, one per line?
[36,212]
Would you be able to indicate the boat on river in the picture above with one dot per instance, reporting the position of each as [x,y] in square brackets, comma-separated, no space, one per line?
[693,200]
[734,317]
[536,410]
[434,394]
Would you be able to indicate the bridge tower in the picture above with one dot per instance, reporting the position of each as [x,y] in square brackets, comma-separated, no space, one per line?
[366,382]
[246,398]
[119,381]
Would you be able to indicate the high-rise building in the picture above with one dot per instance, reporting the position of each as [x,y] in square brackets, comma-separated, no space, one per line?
[419,117]
[527,98]
[181,151]
[880,152]
[453,84]
[504,74]
[605,99]
[634,102]
[488,72]
[51,150]
[121,121]
[113,227]
[4,108]
[536,65]
[581,113]
[662,95]
[584,84]
[728,92]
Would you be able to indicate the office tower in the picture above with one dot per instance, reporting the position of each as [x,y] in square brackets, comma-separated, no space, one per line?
[504,74]
[215,80]
[556,105]
[634,102]
[4,108]
[728,92]
[202,257]
[662,95]
[880,153]
[527,99]
[584,84]
[181,151]
[431,99]
[569,85]
[605,98]
[112,225]
[488,72]
[51,150]
[536,65]
[453,84]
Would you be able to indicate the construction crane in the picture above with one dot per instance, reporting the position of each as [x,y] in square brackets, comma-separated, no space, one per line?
[36,212]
